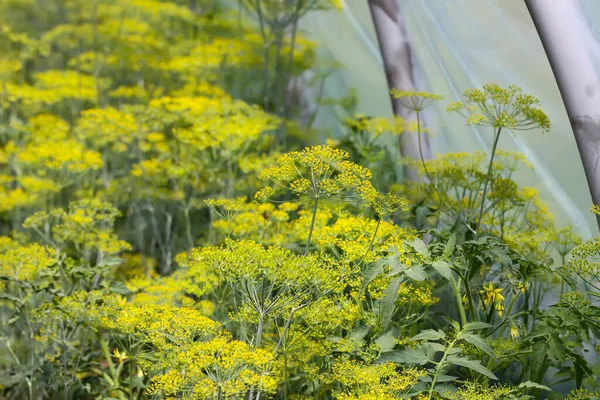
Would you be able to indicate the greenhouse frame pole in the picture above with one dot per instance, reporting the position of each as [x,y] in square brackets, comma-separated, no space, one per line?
[561,25]
[396,52]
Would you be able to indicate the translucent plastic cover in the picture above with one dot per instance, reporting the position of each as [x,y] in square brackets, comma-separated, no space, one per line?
[459,44]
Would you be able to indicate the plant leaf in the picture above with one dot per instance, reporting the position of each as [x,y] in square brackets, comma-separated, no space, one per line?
[442,268]
[420,247]
[533,385]
[408,356]
[371,271]
[474,326]
[428,334]
[416,272]
[479,343]
[538,359]
[388,301]
[450,245]
[475,365]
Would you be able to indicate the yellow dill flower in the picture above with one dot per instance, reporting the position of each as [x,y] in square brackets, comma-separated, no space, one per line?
[58,85]
[227,209]
[321,171]
[87,225]
[25,262]
[414,100]
[67,155]
[501,108]
[102,127]
[358,381]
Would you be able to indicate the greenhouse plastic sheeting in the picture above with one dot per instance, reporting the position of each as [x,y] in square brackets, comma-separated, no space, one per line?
[459,44]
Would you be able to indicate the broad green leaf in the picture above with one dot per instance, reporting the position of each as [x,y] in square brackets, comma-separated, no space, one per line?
[475,365]
[428,334]
[540,330]
[371,271]
[454,350]
[442,268]
[538,360]
[386,341]
[10,380]
[119,288]
[533,385]
[388,301]
[436,347]
[475,326]
[408,356]
[479,343]
[359,333]
[445,378]
[398,269]
[556,348]
[444,388]
[420,247]
[110,262]
[582,368]
[10,297]
[416,272]
[452,322]
[450,245]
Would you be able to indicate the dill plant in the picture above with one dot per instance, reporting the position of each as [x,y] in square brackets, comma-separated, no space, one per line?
[500,108]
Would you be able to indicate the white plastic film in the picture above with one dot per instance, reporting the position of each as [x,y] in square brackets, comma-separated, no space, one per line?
[459,44]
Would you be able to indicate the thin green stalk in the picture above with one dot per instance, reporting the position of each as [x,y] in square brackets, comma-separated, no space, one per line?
[266,47]
[111,365]
[474,315]
[439,367]
[461,309]
[312,225]
[487,178]
[423,159]
[259,329]
[370,243]
[188,227]
[421,148]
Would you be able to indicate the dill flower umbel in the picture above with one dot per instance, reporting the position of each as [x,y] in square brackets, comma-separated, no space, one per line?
[415,100]
[227,209]
[372,382]
[501,108]
[321,171]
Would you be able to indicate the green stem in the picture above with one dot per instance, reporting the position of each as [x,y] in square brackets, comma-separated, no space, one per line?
[461,309]
[312,225]
[474,315]
[487,178]
[440,366]
[370,243]
[188,227]
[435,187]
[266,47]
[111,365]
[421,148]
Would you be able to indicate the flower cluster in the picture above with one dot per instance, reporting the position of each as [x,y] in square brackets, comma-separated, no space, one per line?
[321,172]
[501,108]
